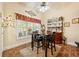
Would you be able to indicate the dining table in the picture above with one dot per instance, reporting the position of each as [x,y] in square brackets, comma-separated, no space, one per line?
[44,43]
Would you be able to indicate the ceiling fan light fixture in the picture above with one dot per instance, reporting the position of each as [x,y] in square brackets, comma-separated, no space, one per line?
[43,7]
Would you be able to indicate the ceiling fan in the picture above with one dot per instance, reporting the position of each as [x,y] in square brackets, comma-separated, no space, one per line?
[43,7]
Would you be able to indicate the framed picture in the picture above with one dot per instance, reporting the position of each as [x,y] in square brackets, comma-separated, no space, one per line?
[75,21]
[67,24]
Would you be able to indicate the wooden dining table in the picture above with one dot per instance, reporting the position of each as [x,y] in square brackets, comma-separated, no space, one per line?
[44,43]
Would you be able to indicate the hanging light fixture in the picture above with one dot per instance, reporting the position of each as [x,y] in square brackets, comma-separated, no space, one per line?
[43,7]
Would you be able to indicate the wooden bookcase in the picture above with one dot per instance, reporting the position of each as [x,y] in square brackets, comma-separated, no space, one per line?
[56,25]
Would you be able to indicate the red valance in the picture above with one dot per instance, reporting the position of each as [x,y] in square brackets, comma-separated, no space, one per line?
[28,19]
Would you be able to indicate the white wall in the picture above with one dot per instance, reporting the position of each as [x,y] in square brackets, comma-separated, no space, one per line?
[1,31]
[68,12]
[10,39]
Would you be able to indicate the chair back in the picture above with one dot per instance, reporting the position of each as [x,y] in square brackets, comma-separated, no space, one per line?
[34,35]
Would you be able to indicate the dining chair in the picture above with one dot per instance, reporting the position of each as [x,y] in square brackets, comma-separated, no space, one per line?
[51,42]
[36,38]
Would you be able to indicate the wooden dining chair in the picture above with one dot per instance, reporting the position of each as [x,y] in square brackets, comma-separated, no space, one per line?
[51,42]
[36,38]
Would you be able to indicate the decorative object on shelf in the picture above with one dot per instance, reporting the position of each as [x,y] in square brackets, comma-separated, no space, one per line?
[66,24]
[43,28]
[75,21]
[61,18]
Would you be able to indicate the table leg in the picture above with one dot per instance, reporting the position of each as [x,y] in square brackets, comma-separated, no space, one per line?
[46,46]
[32,44]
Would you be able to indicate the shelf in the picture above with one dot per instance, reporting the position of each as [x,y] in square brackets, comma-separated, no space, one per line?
[56,24]
[53,27]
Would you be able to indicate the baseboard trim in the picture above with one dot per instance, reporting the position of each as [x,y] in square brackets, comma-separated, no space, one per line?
[73,44]
[13,46]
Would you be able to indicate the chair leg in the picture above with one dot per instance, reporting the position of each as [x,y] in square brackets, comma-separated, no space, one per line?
[54,46]
[51,49]
[48,44]
[32,44]
[42,44]
[38,46]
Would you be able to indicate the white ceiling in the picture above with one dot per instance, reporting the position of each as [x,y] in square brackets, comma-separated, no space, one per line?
[54,7]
